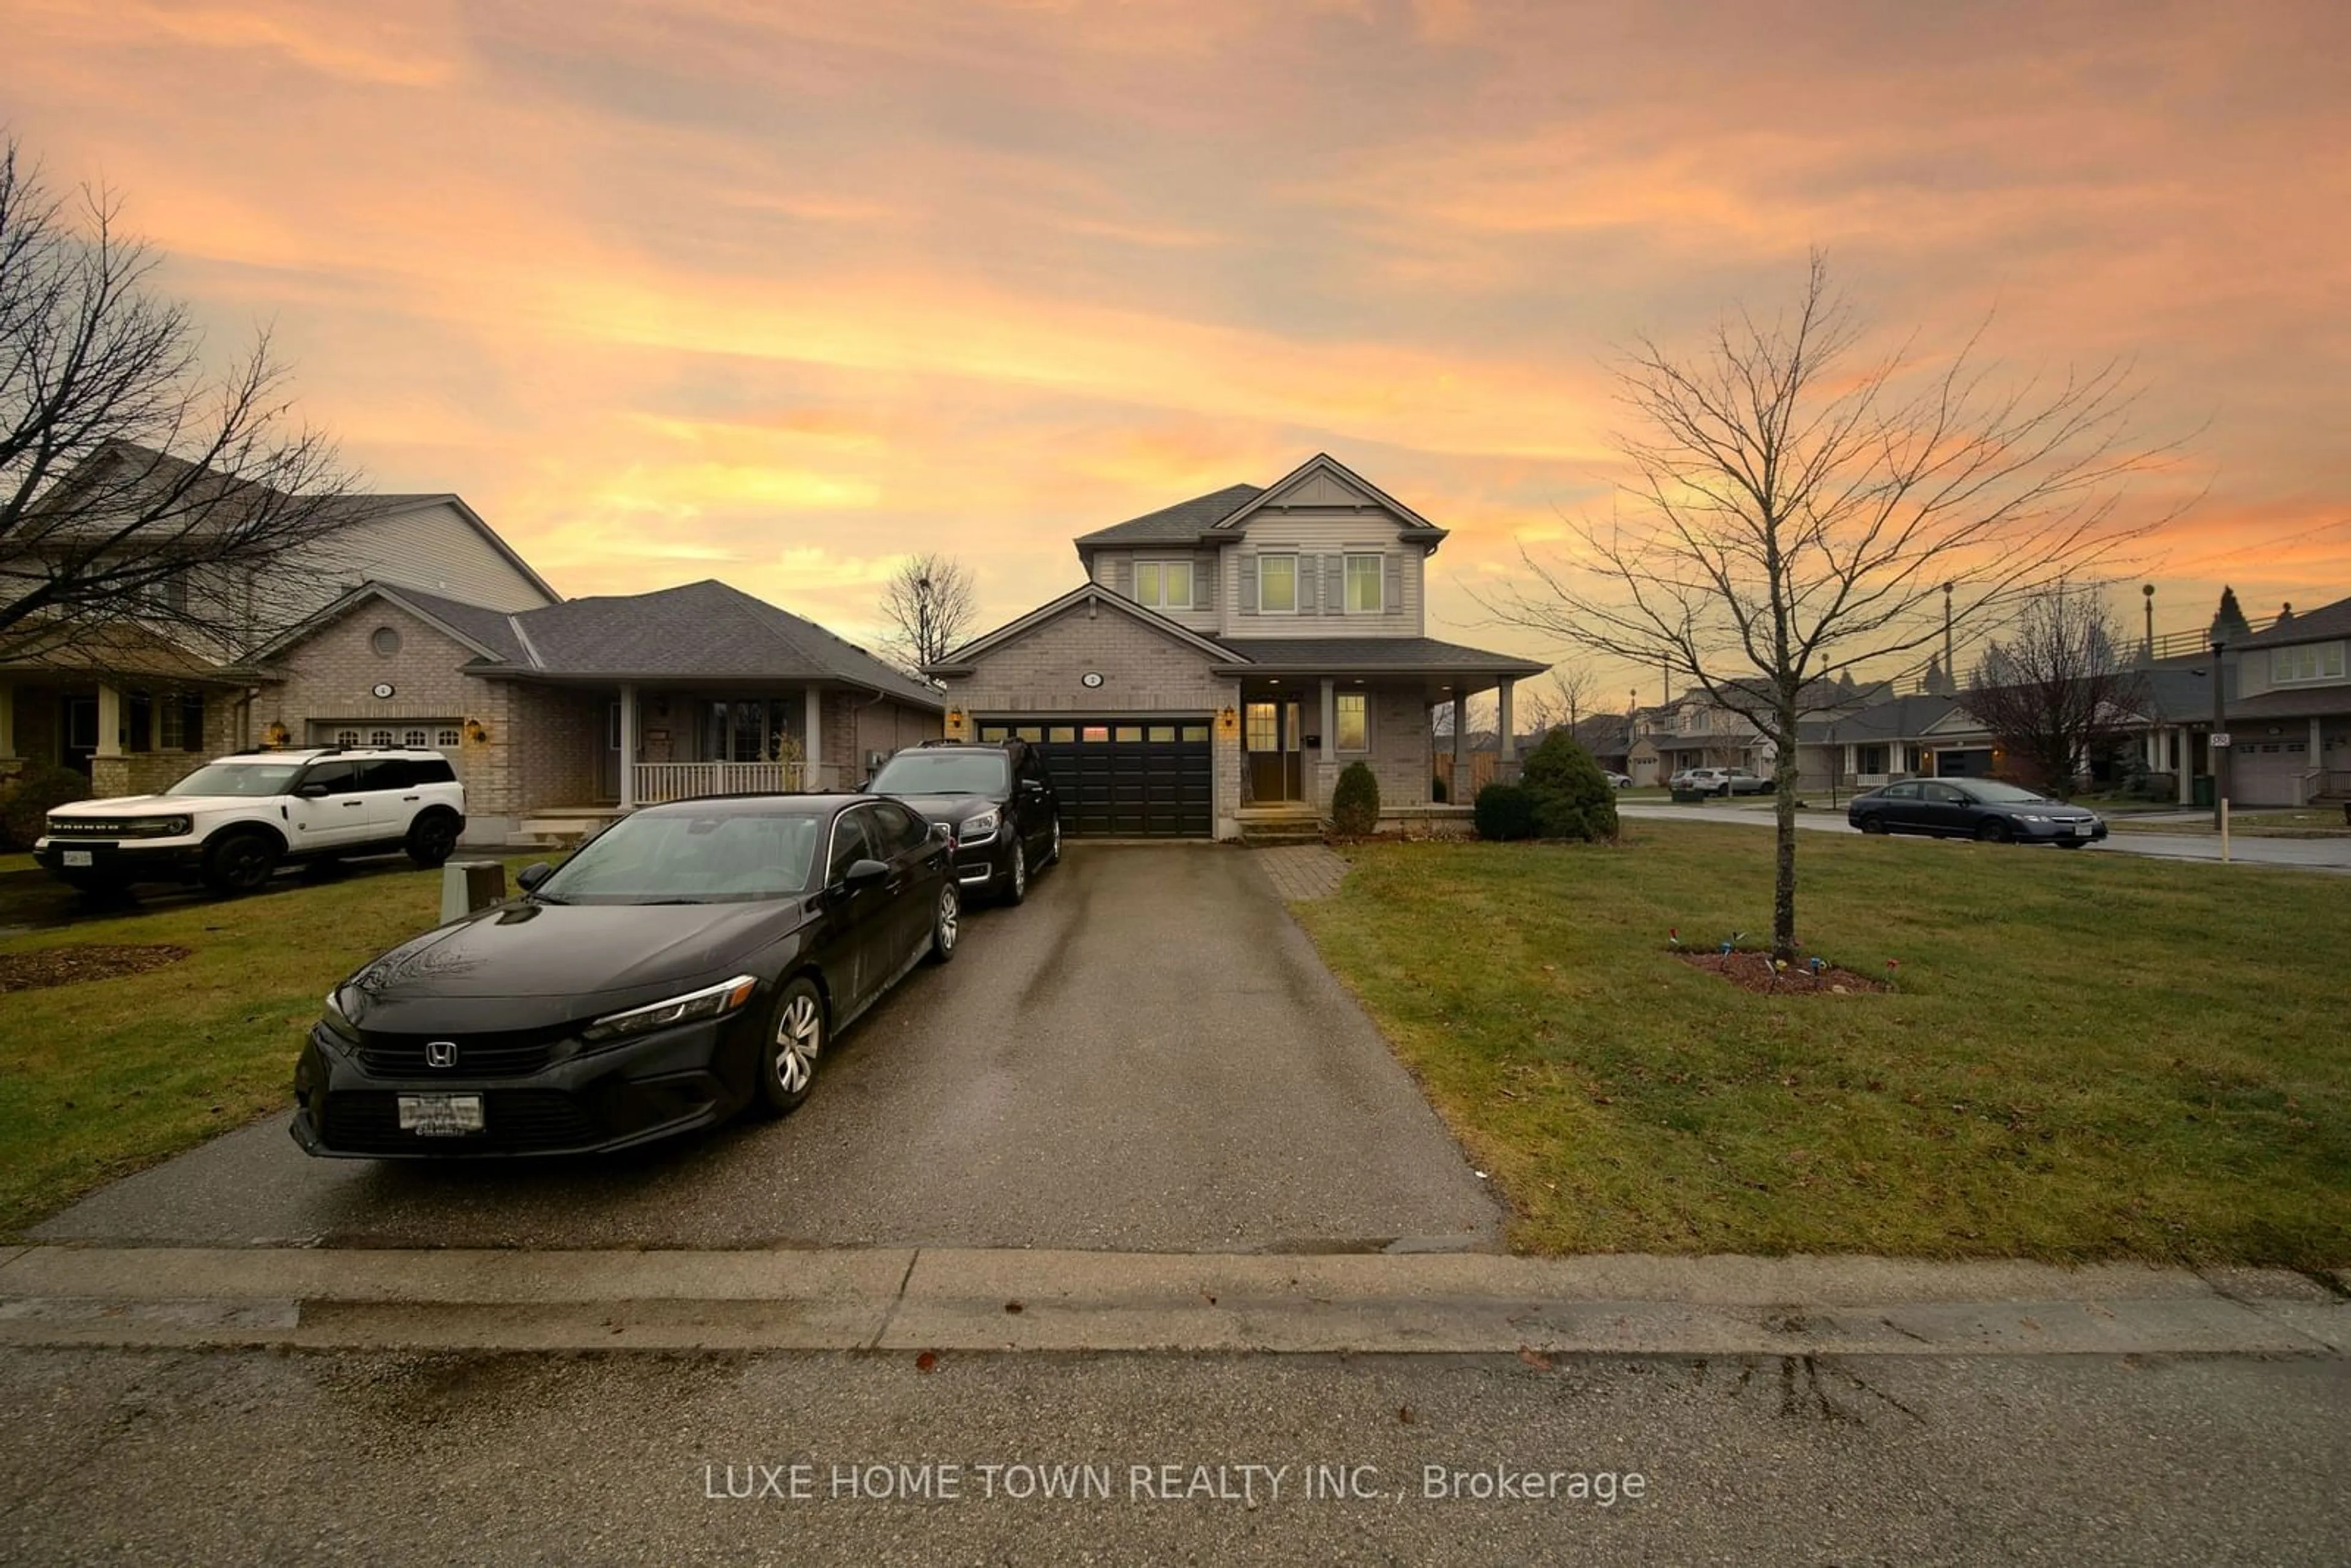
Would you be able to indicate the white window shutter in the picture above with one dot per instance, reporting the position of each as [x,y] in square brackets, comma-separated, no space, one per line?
[1249,583]
[1121,575]
[1393,589]
[1334,585]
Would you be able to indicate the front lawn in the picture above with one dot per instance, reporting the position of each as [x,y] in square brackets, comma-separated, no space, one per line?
[101,1077]
[2086,1056]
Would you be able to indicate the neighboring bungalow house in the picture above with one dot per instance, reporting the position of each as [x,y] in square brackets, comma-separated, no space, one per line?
[1697,731]
[134,707]
[563,716]
[1228,655]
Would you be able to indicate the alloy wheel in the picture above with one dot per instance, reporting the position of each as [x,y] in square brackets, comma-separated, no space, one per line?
[800,1036]
[950,917]
[1019,871]
[1053,855]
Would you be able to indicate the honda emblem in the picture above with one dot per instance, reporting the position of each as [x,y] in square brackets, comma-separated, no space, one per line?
[441,1053]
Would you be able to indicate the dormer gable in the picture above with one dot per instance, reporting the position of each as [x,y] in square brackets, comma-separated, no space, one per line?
[1324,484]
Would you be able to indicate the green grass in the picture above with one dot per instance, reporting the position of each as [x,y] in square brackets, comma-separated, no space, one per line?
[99,1079]
[2087,1056]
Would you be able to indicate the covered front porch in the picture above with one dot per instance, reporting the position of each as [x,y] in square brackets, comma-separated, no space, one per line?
[1301,729]
[130,734]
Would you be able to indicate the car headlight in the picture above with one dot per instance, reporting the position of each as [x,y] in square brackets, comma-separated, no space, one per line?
[156,826]
[336,1019]
[710,1002]
[983,826]
[2030,817]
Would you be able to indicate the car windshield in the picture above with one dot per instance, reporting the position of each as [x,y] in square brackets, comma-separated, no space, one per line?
[944,772]
[1996,794]
[238,778]
[689,858]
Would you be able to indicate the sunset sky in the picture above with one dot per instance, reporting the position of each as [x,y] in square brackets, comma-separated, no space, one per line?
[777,292]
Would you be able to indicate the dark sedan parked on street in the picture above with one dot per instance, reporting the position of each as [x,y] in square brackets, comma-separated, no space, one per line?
[996,798]
[1974,809]
[693,960]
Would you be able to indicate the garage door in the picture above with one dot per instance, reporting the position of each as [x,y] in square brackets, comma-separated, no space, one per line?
[442,735]
[1123,777]
[2267,772]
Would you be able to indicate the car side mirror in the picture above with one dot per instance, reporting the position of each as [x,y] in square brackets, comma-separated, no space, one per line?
[532,875]
[940,830]
[1032,785]
[864,873]
[311,792]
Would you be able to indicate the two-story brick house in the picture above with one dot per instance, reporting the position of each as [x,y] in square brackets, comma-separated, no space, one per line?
[1227,657]
[2289,710]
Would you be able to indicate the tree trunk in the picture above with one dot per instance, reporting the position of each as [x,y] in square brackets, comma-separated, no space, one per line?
[1783,873]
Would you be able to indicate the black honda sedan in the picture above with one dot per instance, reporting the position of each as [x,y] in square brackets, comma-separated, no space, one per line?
[1974,809]
[693,960]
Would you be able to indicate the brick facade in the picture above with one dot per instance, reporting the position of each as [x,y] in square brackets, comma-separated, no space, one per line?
[1145,672]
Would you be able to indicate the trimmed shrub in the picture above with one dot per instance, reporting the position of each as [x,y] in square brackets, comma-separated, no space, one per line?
[1437,791]
[24,805]
[1573,798]
[1355,801]
[1505,812]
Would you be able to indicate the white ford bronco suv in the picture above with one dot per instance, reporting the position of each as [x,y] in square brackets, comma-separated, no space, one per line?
[238,818]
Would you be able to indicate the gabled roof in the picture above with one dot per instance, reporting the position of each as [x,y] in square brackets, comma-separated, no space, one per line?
[1212,518]
[1084,593]
[704,630]
[1183,522]
[164,472]
[488,633]
[2326,622]
[1326,466]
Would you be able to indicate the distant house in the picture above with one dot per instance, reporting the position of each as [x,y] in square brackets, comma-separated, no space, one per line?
[2289,710]
[135,706]
[1697,731]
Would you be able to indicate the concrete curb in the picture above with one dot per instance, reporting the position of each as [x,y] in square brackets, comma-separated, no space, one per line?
[906,1298]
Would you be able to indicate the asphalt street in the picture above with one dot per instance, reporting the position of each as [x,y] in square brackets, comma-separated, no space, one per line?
[182,1457]
[1147,1056]
[2309,854]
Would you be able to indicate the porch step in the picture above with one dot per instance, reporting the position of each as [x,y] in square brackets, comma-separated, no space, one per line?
[1273,832]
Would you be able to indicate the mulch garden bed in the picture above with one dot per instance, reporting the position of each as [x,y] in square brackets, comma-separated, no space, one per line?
[1753,972]
[89,961]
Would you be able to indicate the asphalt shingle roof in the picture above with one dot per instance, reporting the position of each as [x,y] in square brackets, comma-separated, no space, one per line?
[1371,653]
[704,630]
[1184,520]
[2327,621]
[491,628]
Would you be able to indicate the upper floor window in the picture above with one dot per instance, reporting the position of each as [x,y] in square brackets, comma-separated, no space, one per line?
[1277,585]
[1163,585]
[2311,662]
[1366,576]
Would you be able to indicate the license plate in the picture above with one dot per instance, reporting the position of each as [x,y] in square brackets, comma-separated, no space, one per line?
[2071,829]
[77,857]
[440,1115]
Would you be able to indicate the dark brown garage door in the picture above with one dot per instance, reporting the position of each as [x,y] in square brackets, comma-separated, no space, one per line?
[1123,777]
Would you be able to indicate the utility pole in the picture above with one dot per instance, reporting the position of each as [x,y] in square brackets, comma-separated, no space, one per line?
[2220,734]
[1950,662]
[2150,592]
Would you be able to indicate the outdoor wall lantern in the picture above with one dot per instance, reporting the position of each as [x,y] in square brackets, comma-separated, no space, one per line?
[475,732]
[955,723]
[1228,722]
[275,735]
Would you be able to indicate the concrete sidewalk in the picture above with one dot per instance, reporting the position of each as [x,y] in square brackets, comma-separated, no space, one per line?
[906,1298]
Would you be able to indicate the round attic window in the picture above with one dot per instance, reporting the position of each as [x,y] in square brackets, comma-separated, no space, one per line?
[386,641]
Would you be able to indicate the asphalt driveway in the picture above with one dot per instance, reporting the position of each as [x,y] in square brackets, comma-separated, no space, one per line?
[1147,1055]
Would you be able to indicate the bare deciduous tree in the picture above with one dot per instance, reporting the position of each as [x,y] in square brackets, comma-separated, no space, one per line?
[930,603]
[139,496]
[1796,505]
[1572,687]
[2056,690]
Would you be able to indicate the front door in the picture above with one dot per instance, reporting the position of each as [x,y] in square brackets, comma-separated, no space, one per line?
[1277,762]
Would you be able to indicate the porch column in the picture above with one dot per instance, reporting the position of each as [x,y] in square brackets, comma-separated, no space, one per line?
[2187,767]
[1460,740]
[628,746]
[1331,720]
[7,718]
[109,720]
[812,776]
[1507,728]
[2317,758]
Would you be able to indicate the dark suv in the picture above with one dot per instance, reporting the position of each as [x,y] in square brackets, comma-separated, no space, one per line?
[998,800]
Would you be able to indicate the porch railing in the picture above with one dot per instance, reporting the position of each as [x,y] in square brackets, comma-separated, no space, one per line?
[658,782]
